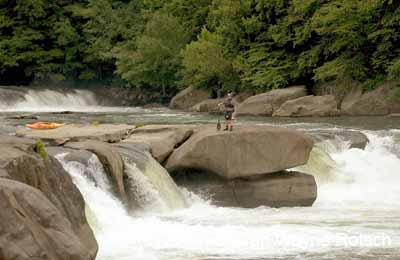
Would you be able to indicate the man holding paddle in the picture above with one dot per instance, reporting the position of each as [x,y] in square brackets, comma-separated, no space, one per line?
[229,112]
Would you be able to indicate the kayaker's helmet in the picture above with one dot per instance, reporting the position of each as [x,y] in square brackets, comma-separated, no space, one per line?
[230,96]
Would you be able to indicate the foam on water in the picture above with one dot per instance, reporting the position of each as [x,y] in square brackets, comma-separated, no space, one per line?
[55,101]
[357,213]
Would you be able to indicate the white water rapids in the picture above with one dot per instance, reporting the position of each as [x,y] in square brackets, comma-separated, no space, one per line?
[46,100]
[356,216]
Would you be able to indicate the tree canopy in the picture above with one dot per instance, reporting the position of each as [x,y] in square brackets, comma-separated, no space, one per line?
[164,45]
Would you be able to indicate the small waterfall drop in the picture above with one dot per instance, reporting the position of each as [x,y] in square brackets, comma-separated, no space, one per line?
[349,175]
[115,228]
[151,186]
[320,164]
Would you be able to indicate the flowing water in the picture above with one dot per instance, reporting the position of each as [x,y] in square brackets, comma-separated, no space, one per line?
[356,215]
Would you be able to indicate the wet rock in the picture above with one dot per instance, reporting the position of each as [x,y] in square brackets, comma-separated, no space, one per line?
[19,162]
[283,189]
[75,133]
[356,138]
[20,117]
[309,106]
[162,139]
[247,151]
[188,98]
[143,171]
[111,160]
[265,104]
[81,156]
[33,228]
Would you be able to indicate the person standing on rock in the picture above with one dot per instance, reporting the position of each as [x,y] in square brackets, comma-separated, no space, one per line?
[229,107]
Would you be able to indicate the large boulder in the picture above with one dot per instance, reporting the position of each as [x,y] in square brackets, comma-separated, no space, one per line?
[309,106]
[162,139]
[208,105]
[265,104]
[247,151]
[242,96]
[188,98]
[339,89]
[111,160]
[75,133]
[381,101]
[211,105]
[20,162]
[351,98]
[33,228]
[282,189]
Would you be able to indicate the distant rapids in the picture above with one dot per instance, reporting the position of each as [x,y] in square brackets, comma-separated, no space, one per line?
[23,99]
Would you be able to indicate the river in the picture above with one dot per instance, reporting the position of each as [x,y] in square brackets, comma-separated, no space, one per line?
[356,215]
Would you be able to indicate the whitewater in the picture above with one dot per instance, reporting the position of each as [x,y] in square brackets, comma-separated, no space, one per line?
[356,216]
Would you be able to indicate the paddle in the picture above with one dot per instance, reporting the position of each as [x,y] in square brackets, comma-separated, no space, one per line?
[219,121]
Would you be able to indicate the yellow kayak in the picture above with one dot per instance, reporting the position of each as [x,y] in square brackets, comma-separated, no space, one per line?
[44,125]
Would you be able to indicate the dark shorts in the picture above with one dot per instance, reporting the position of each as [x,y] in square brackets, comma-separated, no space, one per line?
[228,115]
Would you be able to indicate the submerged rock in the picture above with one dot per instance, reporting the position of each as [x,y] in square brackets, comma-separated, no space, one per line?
[247,151]
[283,189]
[265,104]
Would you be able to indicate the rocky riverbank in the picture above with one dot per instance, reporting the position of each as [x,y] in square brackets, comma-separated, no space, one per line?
[295,101]
[42,212]
[245,168]
[240,155]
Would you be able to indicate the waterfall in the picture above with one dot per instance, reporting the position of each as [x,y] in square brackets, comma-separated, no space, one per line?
[348,175]
[113,225]
[357,205]
[21,99]
[320,164]
[153,188]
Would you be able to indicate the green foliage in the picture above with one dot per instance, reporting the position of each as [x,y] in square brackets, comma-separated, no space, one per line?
[140,124]
[41,150]
[205,63]
[163,45]
[154,59]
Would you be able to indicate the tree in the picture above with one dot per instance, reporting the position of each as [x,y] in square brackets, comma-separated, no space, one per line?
[206,65]
[154,59]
